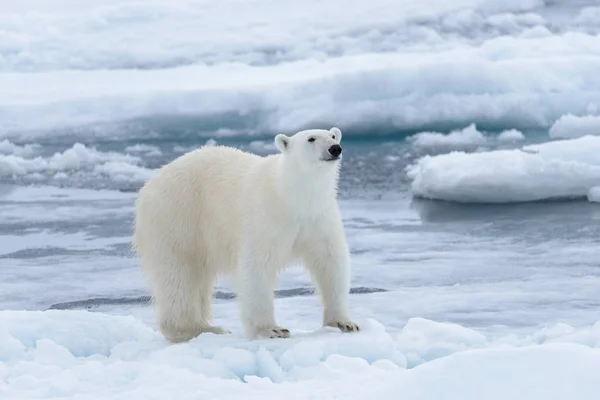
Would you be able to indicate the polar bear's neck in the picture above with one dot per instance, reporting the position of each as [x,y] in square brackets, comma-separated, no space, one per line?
[311,189]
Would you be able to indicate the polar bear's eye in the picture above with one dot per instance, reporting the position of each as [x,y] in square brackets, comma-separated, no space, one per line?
[333,136]
[312,139]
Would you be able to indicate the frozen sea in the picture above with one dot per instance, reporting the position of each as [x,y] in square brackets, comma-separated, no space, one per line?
[470,193]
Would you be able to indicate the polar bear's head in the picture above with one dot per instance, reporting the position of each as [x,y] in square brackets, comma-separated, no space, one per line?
[313,146]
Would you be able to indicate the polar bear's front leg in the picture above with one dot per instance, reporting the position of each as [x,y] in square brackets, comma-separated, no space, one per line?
[255,285]
[328,262]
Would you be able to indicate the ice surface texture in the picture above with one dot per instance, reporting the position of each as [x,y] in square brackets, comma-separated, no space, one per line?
[263,67]
[76,354]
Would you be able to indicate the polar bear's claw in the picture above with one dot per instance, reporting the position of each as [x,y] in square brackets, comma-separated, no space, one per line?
[274,332]
[280,333]
[345,326]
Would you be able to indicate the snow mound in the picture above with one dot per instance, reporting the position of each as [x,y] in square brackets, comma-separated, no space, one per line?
[468,138]
[78,354]
[422,340]
[570,126]
[594,194]
[533,373]
[511,136]
[554,170]
[81,334]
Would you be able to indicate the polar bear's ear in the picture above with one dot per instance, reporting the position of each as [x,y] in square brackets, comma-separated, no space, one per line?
[282,142]
[337,132]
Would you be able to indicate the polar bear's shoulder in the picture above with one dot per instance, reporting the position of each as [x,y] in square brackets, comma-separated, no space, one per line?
[217,155]
[224,151]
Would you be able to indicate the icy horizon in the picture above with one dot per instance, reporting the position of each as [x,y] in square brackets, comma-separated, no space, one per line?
[260,68]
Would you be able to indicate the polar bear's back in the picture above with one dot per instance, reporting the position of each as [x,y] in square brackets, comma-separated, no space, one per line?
[192,207]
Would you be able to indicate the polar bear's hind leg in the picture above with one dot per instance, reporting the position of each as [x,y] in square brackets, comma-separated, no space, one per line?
[183,300]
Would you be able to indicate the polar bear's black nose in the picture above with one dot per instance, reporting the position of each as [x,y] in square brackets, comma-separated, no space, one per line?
[335,150]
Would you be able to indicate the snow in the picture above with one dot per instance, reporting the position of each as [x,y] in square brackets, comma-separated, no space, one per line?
[74,354]
[594,194]
[81,161]
[353,90]
[275,67]
[510,136]
[423,340]
[459,139]
[554,170]
[572,126]
[468,138]
[527,373]
[119,34]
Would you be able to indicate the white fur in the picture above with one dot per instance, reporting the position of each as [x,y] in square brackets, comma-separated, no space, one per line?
[218,210]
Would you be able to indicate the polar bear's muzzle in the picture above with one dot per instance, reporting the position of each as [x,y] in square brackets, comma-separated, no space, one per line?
[334,151]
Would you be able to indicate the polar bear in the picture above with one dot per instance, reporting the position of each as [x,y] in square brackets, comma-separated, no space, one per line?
[221,211]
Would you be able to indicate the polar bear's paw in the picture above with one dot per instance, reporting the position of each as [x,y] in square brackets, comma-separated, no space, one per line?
[189,333]
[346,326]
[275,332]
[217,330]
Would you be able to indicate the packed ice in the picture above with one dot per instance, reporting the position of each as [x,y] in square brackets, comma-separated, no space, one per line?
[58,354]
[555,170]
